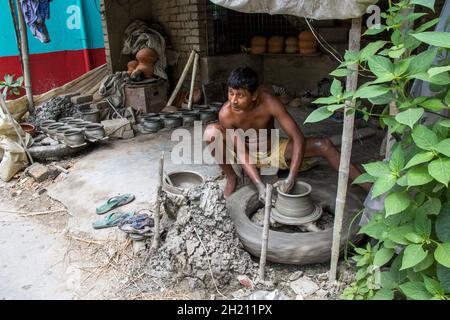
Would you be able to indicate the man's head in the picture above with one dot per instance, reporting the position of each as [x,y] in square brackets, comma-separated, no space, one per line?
[242,87]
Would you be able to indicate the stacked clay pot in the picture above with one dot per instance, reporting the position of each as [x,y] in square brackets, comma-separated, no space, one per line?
[259,45]
[307,42]
[291,45]
[145,61]
[276,44]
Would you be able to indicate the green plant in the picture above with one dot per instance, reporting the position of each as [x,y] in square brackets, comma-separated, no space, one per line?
[11,86]
[412,255]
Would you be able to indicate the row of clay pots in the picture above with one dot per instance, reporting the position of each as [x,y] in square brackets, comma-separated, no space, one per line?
[154,122]
[73,132]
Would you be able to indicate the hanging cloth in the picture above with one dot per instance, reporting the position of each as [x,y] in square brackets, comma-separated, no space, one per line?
[35,13]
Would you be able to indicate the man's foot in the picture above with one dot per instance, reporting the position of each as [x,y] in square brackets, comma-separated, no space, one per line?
[230,186]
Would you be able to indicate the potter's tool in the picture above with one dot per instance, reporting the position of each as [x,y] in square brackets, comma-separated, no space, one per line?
[265,235]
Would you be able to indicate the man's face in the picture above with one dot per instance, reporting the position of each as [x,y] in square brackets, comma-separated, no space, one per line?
[241,99]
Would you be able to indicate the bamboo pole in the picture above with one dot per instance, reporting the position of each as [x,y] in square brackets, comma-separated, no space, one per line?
[155,242]
[181,80]
[25,58]
[346,151]
[16,30]
[265,235]
[194,75]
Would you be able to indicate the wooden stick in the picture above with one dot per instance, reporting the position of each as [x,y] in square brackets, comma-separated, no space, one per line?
[28,214]
[194,75]
[13,123]
[155,242]
[346,151]
[25,57]
[181,80]
[265,235]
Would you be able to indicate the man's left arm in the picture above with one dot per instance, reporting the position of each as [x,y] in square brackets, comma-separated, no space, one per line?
[290,127]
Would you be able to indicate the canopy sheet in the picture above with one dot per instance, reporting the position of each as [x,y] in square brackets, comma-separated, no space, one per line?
[314,9]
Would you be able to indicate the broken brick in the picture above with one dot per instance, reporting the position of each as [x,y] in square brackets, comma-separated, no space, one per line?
[38,172]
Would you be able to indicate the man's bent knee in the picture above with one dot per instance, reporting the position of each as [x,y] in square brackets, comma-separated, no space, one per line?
[212,131]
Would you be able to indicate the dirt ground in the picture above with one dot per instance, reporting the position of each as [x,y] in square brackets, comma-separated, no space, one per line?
[42,257]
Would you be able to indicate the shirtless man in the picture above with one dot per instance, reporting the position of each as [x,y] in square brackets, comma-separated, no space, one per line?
[253,107]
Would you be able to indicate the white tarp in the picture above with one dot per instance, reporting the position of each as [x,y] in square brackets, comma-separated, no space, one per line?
[314,9]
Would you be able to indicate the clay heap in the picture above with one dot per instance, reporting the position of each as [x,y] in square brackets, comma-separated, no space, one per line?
[182,257]
[144,65]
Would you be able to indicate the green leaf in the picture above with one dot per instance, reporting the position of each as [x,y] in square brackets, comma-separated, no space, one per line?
[444,147]
[422,224]
[340,73]
[440,170]
[397,161]
[318,115]
[442,224]
[377,169]
[380,66]
[443,275]
[383,185]
[410,116]
[433,105]
[422,62]
[424,264]
[396,53]
[420,158]
[401,66]
[418,176]
[384,99]
[413,237]
[427,25]
[432,286]
[438,70]
[383,294]
[374,31]
[371,91]
[373,230]
[415,291]
[442,254]
[434,38]
[431,207]
[445,123]
[336,88]
[413,255]
[396,202]
[383,256]
[371,49]
[424,3]
[364,178]
[335,107]
[424,138]
[387,280]
[327,100]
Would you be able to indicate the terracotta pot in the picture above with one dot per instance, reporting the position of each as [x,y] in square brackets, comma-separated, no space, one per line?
[306,36]
[258,49]
[258,41]
[292,49]
[276,49]
[291,41]
[276,41]
[307,45]
[308,51]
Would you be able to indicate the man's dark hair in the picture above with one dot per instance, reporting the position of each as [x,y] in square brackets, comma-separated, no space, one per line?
[243,78]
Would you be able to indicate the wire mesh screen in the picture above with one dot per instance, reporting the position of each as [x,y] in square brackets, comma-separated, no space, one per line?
[229,30]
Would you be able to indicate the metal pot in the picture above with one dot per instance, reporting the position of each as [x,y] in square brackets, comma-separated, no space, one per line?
[93,115]
[60,132]
[74,137]
[153,125]
[296,208]
[94,131]
[172,122]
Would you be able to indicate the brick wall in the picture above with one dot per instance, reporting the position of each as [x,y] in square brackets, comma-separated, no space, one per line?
[183,20]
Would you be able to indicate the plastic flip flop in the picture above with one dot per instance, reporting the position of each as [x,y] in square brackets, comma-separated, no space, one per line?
[112,220]
[115,202]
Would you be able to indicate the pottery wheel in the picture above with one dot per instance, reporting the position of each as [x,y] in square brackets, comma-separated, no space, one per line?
[278,217]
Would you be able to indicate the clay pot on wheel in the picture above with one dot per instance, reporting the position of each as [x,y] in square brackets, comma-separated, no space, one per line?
[296,208]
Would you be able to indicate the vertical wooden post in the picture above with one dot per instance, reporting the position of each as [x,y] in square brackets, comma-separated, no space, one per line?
[265,235]
[181,80]
[346,151]
[194,75]
[16,30]
[155,242]
[25,57]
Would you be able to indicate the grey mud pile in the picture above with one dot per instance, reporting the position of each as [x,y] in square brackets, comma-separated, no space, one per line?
[201,241]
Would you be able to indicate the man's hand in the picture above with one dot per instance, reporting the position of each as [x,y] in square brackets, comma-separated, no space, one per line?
[261,192]
[285,185]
